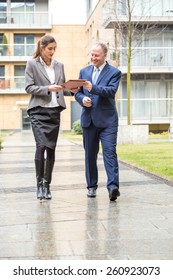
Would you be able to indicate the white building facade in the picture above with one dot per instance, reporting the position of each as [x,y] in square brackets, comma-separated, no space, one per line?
[151,59]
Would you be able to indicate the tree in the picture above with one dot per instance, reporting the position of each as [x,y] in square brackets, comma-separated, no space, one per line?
[130,24]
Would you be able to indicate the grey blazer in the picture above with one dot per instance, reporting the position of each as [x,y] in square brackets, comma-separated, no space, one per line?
[37,83]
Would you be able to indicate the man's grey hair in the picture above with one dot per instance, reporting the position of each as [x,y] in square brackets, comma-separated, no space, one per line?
[103,46]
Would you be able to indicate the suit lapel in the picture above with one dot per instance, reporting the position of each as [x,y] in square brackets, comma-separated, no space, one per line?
[56,69]
[58,72]
[41,68]
[103,73]
[90,72]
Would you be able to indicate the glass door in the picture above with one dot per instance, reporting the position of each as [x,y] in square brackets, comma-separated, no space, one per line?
[26,125]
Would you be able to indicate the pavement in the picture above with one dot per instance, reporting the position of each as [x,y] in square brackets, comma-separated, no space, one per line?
[71,226]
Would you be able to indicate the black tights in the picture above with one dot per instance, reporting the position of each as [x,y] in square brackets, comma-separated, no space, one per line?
[40,153]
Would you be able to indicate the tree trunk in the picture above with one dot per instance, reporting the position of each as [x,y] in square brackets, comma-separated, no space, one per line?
[129,38]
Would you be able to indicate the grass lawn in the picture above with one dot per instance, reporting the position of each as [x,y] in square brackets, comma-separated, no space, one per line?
[71,136]
[156,157]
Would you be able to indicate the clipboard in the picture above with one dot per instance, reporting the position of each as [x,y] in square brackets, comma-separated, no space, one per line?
[72,84]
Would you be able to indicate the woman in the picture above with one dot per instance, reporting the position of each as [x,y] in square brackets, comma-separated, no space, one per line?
[43,79]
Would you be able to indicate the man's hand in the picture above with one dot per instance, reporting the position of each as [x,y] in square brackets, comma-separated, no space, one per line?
[87,101]
[87,85]
[74,90]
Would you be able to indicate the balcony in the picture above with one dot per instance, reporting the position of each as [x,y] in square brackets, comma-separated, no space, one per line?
[146,110]
[113,21]
[16,52]
[156,12]
[12,85]
[25,20]
[146,60]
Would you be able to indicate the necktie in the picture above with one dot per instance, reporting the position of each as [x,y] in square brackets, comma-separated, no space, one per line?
[96,75]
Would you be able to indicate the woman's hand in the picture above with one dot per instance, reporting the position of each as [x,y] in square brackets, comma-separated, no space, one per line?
[55,88]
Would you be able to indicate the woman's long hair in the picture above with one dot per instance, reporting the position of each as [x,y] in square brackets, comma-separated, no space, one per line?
[42,43]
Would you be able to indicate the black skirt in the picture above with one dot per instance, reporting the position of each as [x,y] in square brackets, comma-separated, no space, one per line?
[45,124]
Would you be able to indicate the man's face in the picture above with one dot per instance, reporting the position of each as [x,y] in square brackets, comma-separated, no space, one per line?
[97,56]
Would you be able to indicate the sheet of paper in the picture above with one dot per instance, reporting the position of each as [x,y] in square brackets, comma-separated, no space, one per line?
[72,84]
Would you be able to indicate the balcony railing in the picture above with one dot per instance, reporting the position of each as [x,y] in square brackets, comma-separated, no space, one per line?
[149,110]
[17,50]
[113,21]
[12,84]
[158,12]
[25,20]
[150,56]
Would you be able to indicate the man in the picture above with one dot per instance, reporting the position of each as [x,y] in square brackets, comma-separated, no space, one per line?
[99,119]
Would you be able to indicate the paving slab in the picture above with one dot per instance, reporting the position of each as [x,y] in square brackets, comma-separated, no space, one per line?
[139,225]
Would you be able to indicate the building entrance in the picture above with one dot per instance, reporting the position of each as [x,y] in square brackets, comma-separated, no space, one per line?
[26,124]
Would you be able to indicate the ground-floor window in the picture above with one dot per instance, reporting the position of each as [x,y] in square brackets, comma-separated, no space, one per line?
[151,98]
[75,112]
[26,125]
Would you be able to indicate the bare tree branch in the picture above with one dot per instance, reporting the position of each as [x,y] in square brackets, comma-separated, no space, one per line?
[133,26]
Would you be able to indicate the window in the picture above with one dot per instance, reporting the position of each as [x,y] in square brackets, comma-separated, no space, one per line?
[19,76]
[2,76]
[25,5]
[168,7]
[26,125]
[22,11]
[3,11]
[120,7]
[2,71]
[24,44]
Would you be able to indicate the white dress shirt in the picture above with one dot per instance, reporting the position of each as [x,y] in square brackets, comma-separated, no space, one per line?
[100,69]
[51,74]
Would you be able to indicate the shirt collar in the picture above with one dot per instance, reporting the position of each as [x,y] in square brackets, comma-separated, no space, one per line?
[44,64]
[100,67]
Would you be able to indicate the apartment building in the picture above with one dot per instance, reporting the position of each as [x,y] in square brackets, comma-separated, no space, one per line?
[22,23]
[151,60]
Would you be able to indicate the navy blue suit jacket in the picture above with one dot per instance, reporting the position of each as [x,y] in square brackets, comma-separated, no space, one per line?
[103,112]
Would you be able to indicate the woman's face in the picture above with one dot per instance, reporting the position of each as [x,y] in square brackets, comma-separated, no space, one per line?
[48,51]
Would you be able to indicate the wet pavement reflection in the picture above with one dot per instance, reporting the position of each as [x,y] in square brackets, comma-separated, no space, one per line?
[139,225]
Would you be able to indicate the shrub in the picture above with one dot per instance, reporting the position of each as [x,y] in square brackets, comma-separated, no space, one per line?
[77,127]
[0,143]
[5,43]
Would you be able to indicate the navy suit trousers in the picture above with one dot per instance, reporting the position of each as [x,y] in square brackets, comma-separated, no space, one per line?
[92,136]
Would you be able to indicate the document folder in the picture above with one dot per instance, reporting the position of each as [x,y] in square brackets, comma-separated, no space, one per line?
[72,84]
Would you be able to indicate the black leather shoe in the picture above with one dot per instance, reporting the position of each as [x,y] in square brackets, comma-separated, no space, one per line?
[91,192]
[113,194]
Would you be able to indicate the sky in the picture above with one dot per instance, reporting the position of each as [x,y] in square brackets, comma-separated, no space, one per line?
[69,11]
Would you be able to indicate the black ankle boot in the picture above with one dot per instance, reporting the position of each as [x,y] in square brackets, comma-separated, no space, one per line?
[39,167]
[40,190]
[46,191]
[47,179]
